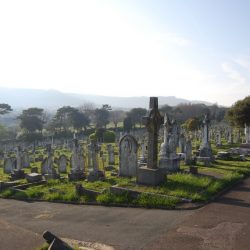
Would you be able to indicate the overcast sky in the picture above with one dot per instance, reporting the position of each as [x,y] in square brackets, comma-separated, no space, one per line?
[194,49]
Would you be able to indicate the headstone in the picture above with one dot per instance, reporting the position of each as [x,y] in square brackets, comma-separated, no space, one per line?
[205,149]
[8,165]
[143,157]
[169,160]
[18,173]
[94,172]
[26,160]
[151,174]
[77,162]
[47,168]
[111,155]
[247,134]
[128,156]
[188,149]
[62,164]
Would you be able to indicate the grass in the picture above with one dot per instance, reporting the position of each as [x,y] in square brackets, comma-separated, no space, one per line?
[212,180]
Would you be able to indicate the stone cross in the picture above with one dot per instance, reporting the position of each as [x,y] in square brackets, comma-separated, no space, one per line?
[153,122]
[205,130]
[19,158]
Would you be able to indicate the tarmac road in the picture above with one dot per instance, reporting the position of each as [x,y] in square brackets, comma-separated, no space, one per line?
[223,224]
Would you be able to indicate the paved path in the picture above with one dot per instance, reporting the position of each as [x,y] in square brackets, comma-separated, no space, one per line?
[224,224]
[123,228]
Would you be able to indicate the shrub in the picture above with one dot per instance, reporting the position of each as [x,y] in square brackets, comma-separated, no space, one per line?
[109,136]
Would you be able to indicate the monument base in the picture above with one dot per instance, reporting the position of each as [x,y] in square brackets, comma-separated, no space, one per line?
[33,177]
[76,176]
[95,176]
[151,177]
[51,176]
[17,174]
[170,165]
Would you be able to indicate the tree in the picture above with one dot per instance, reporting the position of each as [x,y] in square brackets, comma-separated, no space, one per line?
[102,116]
[127,124]
[136,115]
[31,120]
[117,116]
[79,120]
[239,113]
[5,108]
[62,119]
[192,124]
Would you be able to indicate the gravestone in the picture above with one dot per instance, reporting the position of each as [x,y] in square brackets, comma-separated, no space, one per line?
[9,165]
[111,155]
[188,151]
[77,162]
[62,164]
[18,173]
[169,160]
[205,149]
[128,156]
[47,168]
[26,160]
[143,157]
[94,172]
[151,174]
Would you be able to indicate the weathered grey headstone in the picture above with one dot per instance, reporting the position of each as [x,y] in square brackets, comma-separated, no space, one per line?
[77,162]
[62,164]
[205,149]
[128,156]
[47,168]
[188,151]
[169,160]
[111,155]
[94,172]
[8,165]
[26,160]
[151,174]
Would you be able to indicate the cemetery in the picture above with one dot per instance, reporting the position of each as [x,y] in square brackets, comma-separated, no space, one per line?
[159,165]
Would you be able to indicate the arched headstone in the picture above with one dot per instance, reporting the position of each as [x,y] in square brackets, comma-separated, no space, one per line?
[128,156]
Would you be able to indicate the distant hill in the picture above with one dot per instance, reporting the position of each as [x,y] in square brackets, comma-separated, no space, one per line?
[53,99]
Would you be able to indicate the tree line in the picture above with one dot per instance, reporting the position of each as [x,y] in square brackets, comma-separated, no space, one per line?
[35,122]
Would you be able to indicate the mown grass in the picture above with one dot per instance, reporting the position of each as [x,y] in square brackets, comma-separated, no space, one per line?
[201,187]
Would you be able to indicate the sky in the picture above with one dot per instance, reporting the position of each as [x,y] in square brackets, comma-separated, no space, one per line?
[193,49]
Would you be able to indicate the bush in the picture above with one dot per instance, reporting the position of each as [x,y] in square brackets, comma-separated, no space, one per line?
[109,136]
[103,136]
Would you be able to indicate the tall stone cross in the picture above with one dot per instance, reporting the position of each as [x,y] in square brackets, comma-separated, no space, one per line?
[153,122]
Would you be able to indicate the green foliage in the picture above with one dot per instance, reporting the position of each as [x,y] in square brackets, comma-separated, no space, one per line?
[136,115]
[31,120]
[192,124]
[127,124]
[239,113]
[5,108]
[108,136]
[153,201]
[102,117]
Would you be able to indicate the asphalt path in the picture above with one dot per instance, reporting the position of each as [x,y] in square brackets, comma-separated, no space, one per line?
[223,224]
[123,228]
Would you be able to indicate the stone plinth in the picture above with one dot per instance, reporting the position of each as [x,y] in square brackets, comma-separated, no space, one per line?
[76,176]
[33,177]
[95,176]
[150,176]
[170,165]
[17,174]
[51,176]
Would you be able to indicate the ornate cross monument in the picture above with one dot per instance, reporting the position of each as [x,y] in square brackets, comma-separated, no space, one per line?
[151,174]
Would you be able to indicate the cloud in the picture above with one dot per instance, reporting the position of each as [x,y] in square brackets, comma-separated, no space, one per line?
[233,74]
[243,62]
